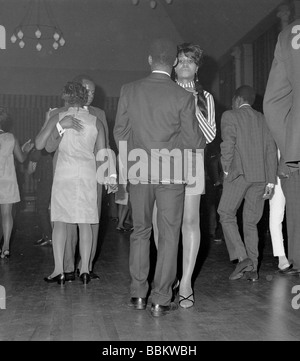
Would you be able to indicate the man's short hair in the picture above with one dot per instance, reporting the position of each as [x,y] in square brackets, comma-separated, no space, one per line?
[163,52]
[5,120]
[246,92]
[81,77]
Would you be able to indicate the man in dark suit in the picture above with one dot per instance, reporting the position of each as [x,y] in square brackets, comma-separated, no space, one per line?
[249,161]
[156,116]
[282,111]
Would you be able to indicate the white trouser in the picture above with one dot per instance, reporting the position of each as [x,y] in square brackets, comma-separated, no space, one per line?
[277,210]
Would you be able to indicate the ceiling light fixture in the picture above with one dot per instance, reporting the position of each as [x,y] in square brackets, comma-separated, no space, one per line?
[152,3]
[38,24]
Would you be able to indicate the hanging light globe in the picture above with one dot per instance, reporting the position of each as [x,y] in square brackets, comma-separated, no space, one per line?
[153,4]
[62,41]
[13,39]
[20,34]
[56,36]
[38,47]
[21,44]
[38,33]
[55,45]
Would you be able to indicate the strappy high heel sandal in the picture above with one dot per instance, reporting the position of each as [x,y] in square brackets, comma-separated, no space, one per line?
[175,287]
[5,254]
[190,299]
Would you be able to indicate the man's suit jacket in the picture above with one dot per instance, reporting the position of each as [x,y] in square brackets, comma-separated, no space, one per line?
[247,146]
[156,113]
[282,96]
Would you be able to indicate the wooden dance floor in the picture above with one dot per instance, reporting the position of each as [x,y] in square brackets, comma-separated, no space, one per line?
[224,310]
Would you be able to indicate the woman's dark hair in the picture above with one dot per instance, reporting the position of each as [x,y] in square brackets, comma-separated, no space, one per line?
[75,93]
[194,52]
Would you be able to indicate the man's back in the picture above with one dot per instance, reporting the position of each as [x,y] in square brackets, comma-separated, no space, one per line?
[245,141]
[281,101]
[155,113]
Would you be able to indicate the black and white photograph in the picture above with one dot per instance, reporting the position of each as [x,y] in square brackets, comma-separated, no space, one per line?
[149,173]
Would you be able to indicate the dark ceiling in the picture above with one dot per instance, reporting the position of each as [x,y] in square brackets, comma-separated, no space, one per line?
[114,34]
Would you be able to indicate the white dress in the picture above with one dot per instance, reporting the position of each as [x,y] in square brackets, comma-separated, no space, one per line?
[9,189]
[74,190]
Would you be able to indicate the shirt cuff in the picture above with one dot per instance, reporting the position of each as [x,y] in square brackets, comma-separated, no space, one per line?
[270,185]
[60,129]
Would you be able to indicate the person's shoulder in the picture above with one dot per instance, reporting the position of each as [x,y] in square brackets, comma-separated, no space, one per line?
[290,27]
[229,113]
[136,82]
[125,87]
[10,135]
[133,86]
[179,90]
[207,94]
[258,113]
[54,111]
[132,83]
[96,111]
[289,33]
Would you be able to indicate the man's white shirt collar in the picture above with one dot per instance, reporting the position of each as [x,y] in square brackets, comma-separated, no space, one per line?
[161,72]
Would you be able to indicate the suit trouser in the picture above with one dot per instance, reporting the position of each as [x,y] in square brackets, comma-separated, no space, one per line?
[70,248]
[291,190]
[234,193]
[43,197]
[277,210]
[170,200]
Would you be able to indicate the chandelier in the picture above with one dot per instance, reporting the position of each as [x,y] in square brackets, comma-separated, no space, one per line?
[38,24]
[152,3]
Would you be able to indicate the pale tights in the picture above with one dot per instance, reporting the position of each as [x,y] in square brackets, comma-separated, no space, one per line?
[7,224]
[59,238]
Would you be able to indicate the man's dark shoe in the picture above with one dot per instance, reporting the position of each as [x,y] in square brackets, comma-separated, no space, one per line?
[138,303]
[158,310]
[241,268]
[70,276]
[47,242]
[251,276]
[39,241]
[43,242]
[291,271]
